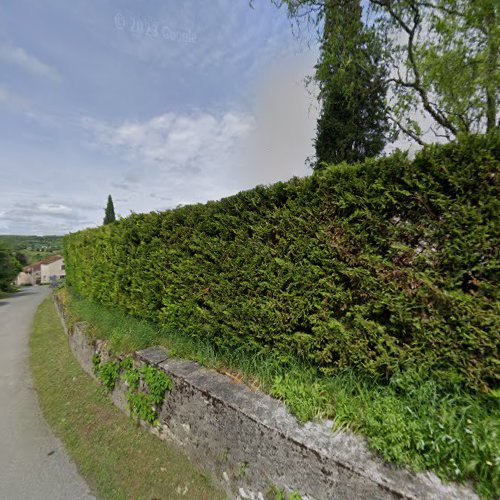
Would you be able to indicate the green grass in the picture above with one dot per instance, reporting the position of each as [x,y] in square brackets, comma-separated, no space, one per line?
[413,420]
[118,459]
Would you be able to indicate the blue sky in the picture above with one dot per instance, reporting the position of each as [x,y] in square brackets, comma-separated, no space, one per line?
[159,103]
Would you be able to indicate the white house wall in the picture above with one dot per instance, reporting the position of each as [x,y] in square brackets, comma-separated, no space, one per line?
[24,279]
[55,268]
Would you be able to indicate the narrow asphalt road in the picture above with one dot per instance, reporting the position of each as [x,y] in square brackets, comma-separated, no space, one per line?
[33,463]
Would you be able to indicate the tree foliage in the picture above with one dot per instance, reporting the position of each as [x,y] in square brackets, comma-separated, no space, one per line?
[109,212]
[22,258]
[9,268]
[351,75]
[444,56]
[443,60]
[383,266]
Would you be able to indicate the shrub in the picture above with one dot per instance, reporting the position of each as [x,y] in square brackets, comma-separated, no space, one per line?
[384,266]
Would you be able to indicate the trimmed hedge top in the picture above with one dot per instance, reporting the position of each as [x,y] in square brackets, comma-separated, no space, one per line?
[386,265]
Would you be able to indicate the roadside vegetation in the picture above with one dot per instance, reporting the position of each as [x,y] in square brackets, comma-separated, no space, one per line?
[9,267]
[413,420]
[364,293]
[386,266]
[117,458]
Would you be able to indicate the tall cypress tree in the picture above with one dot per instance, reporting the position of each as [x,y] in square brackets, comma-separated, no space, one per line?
[351,75]
[109,212]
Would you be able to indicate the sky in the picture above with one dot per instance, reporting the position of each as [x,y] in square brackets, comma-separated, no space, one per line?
[158,103]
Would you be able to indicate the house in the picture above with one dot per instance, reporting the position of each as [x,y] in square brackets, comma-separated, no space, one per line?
[23,278]
[52,270]
[43,272]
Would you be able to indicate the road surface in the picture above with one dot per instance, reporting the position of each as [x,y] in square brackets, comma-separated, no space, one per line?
[33,463]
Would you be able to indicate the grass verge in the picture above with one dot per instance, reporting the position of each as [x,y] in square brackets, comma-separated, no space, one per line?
[118,459]
[413,420]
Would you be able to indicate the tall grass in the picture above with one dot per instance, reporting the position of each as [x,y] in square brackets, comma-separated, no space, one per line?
[413,420]
[117,458]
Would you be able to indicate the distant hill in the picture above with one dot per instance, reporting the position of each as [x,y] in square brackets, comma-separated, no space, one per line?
[34,247]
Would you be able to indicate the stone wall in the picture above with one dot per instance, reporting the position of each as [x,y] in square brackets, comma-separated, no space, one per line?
[250,443]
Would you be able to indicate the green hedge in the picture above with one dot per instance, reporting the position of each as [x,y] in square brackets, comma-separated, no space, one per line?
[383,266]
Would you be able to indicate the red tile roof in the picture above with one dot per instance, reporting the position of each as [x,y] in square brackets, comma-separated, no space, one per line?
[38,265]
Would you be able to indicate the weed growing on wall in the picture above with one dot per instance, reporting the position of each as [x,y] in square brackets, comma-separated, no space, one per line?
[280,494]
[106,373]
[156,381]
[117,458]
[144,404]
[147,385]
[96,363]
[141,407]
[130,374]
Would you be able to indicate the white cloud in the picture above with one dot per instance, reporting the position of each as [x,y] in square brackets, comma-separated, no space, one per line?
[183,157]
[171,141]
[199,156]
[18,56]
[54,209]
[205,145]
[41,218]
